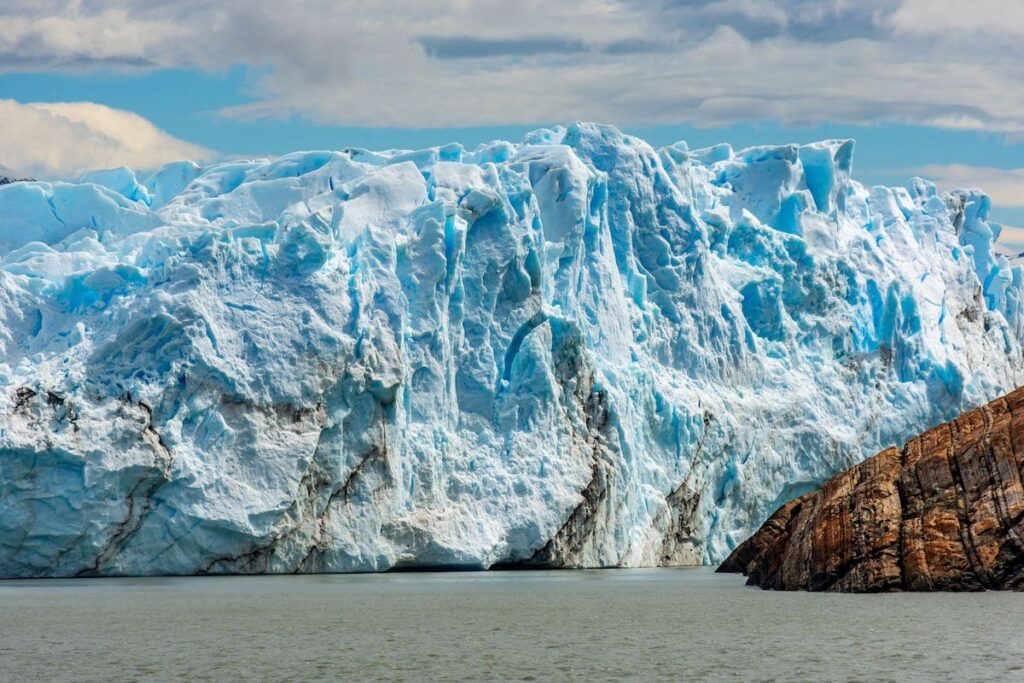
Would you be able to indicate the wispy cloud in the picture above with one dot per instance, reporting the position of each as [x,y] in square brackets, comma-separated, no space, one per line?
[48,140]
[455,63]
[801,20]
[471,47]
[955,20]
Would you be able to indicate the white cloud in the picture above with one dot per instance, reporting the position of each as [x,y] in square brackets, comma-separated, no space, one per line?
[995,18]
[67,138]
[1004,185]
[723,78]
[706,62]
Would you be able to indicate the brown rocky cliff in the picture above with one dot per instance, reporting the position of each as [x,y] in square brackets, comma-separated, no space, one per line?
[944,513]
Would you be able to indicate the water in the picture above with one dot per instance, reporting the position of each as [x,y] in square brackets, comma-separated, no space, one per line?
[586,626]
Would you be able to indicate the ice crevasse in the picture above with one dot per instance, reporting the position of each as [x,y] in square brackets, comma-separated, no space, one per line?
[573,351]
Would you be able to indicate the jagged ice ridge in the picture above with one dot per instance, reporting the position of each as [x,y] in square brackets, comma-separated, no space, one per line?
[573,351]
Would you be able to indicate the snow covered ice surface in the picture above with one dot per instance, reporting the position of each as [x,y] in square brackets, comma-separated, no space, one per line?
[573,351]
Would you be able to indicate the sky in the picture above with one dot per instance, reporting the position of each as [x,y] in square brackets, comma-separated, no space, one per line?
[926,87]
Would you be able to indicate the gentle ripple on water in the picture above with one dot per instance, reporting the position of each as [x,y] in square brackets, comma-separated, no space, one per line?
[610,625]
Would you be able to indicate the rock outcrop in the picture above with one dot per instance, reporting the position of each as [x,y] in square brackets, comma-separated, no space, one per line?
[8,176]
[944,513]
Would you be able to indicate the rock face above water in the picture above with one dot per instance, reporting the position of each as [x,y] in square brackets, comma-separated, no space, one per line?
[945,512]
[572,351]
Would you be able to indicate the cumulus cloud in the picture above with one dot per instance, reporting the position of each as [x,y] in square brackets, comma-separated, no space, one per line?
[62,139]
[457,63]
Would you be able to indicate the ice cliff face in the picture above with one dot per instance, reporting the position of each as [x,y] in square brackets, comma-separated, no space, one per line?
[574,351]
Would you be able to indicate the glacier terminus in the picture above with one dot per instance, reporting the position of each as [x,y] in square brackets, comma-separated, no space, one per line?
[573,351]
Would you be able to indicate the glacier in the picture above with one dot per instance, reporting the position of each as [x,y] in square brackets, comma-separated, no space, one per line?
[572,351]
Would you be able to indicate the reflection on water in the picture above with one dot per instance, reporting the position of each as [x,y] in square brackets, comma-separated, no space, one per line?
[686,624]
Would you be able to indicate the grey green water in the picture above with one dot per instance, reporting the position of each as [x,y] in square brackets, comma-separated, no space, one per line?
[668,625]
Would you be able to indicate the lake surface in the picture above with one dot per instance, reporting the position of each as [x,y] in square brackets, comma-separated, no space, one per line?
[687,624]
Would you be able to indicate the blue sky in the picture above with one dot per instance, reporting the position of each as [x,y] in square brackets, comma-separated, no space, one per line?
[930,88]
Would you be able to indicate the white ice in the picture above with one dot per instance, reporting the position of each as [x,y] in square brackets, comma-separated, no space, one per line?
[573,351]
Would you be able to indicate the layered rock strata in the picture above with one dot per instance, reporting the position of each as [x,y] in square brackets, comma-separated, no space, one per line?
[945,512]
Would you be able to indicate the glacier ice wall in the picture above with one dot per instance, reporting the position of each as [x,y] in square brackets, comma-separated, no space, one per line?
[573,351]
